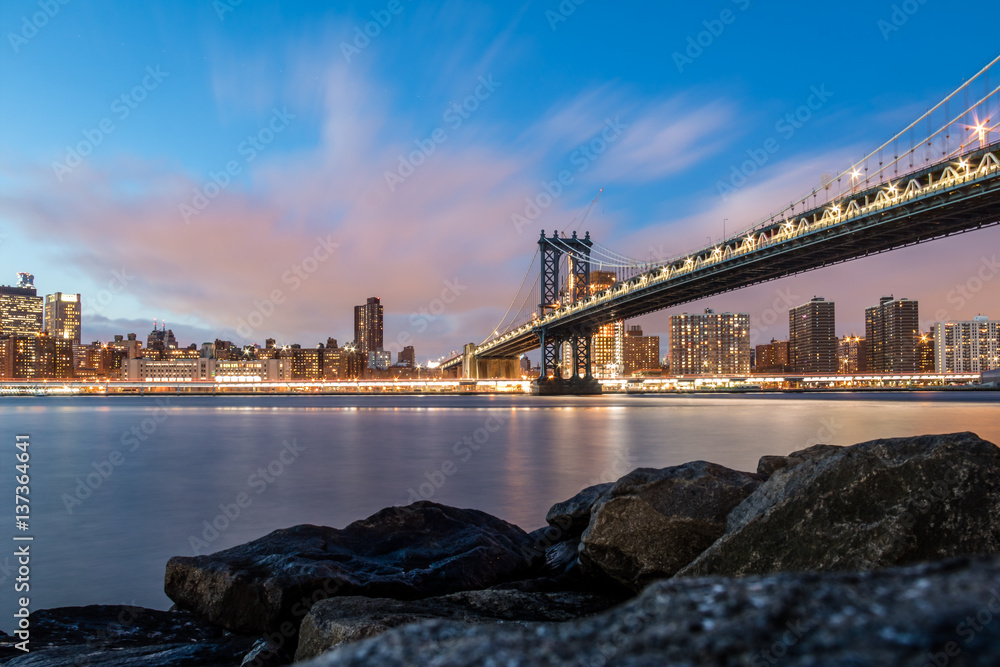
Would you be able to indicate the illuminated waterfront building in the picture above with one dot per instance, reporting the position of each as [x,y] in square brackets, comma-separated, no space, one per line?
[307,363]
[379,359]
[407,357]
[54,357]
[368,325]
[812,337]
[19,357]
[967,347]
[852,356]
[925,352]
[21,309]
[331,360]
[892,330]
[710,343]
[640,353]
[772,357]
[607,346]
[62,316]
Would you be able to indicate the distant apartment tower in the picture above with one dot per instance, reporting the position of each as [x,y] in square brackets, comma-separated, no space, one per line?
[967,347]
[852,355]
[607,346]
[925,352]
[407,357]
[54,357]
[62,316]
[607,349]
[892,330]
[640,353]
[812,337]
[368,325]
[21,309]
[19,357]
[710,344]
[772,357]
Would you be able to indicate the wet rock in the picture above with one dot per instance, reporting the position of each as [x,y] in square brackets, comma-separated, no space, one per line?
[124,636]
[266,653]
[875,504]
[768,465]
[341,620]
[421,550]
[654,522]
[570,518]
[919,615]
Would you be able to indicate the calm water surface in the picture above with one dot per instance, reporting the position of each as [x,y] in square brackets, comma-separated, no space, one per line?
[119,485]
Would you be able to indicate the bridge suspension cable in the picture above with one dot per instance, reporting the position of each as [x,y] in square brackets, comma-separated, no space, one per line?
[854,174]
[496,329]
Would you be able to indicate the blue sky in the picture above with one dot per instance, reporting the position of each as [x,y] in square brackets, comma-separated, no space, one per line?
[239,190]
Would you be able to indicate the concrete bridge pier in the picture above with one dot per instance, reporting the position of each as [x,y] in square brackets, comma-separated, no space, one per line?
[488,368]
[574,386]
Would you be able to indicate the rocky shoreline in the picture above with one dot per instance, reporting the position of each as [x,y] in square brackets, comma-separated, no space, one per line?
[884,552]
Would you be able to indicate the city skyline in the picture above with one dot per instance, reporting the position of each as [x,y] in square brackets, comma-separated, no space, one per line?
[398,343]
[291,219]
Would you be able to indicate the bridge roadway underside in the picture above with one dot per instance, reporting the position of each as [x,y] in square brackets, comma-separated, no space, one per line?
[901,225]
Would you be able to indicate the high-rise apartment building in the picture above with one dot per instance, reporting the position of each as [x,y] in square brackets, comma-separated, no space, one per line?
[62,316]
[19,357]
[925,353]
[967,347]
[812,337]
[892,330]
[607,349]
[55,357]
[307,363]
[607,346]
[368,325]
[640,353]
[710,344]
[21,309]
[852,355]
[772,357]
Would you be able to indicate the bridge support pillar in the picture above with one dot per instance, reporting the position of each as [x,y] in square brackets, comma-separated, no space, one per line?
[574,386]
[475,367]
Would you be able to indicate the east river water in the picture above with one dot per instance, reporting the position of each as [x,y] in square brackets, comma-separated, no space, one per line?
[119,485]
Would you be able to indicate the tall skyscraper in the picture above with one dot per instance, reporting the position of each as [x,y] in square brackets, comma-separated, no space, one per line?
[62,316]
[967,347]
[710,344]
[368,325]
[812,337]
[892,331]
[21,308]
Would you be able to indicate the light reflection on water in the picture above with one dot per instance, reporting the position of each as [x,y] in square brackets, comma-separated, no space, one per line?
[364,453]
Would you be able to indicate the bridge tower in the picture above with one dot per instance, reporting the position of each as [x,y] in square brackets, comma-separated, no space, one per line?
[551,249]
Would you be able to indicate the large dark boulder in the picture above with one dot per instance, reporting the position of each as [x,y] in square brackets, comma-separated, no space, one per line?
[124,636]
[940,613]
[421,550]
[652,523]
[570,518]
[340,620]
[875,504]
[768,465]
